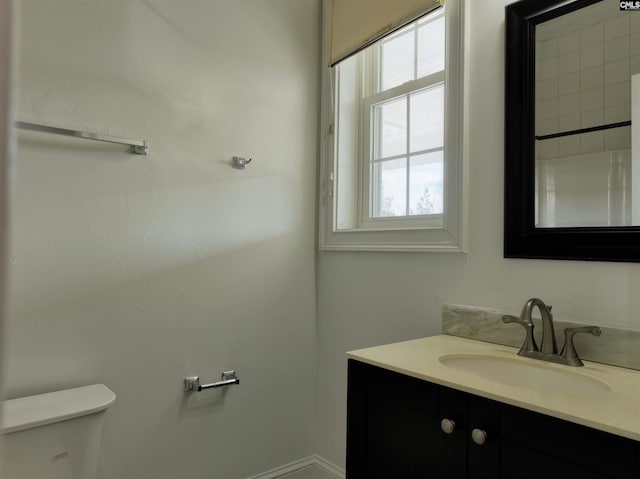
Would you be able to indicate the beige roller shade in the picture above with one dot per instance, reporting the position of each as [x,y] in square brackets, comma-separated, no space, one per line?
[355,24]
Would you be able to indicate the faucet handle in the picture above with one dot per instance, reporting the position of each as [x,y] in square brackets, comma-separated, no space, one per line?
[529,341]
[569,352]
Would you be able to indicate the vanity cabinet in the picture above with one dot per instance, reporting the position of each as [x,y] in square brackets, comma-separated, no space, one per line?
[395,430]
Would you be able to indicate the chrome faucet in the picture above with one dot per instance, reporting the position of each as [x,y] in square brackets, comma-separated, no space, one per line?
[548,345]
[548,350]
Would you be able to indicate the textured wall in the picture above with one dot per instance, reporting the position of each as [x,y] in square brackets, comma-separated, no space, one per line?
[375,298]
[7,58]
[136,271]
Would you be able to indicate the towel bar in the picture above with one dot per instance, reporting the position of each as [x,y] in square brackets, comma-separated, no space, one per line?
[192,383]
[138,147]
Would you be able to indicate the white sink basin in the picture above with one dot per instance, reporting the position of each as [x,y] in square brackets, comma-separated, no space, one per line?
[524,374]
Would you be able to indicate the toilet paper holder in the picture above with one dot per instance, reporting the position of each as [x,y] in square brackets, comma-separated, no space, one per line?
[228,378]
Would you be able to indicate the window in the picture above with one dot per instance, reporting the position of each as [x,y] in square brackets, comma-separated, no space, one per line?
[404,124]
[392,166]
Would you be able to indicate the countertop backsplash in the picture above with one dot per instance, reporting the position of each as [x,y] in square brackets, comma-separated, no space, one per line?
[615,346]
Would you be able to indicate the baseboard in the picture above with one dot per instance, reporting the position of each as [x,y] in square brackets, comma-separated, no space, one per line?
[285,469]
[332,471]
[329,467]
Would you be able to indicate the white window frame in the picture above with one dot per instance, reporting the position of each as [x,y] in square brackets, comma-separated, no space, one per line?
[406,233]
[367,220]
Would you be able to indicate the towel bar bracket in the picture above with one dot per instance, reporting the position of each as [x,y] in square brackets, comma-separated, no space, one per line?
[140,150]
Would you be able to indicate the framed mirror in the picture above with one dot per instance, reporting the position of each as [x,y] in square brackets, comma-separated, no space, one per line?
[572,162]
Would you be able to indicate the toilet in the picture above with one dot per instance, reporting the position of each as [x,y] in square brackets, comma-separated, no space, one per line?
[54,435]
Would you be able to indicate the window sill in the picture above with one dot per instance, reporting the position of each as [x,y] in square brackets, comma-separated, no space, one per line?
[408,248]
[440,240]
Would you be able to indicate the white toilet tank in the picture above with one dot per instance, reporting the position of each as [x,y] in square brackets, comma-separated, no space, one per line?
[54,435]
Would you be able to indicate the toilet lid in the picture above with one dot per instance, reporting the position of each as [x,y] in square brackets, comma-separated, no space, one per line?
[32,411]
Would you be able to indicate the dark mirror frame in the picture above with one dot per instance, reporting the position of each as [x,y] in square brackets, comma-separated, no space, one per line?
[521,238]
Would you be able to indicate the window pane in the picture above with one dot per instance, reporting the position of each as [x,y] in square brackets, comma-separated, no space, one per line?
[391,132]
[389,188]
[431,47]
[425,184]
[427,119]
[397,61]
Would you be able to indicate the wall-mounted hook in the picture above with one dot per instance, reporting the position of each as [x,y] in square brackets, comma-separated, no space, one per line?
[240,163]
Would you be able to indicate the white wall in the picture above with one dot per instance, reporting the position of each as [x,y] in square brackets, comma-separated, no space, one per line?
[136,271]
[7,150]
[374,298]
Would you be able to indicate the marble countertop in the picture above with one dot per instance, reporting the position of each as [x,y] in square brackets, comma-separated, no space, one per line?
[616,410]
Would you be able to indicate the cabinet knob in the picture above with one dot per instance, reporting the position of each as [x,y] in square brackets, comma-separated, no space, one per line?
[479,436]
[447,426]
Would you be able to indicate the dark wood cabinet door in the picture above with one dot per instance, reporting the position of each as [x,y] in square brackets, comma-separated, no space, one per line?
[559,444]
[484,427]
[392,425]
[451,447]
[524,463]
